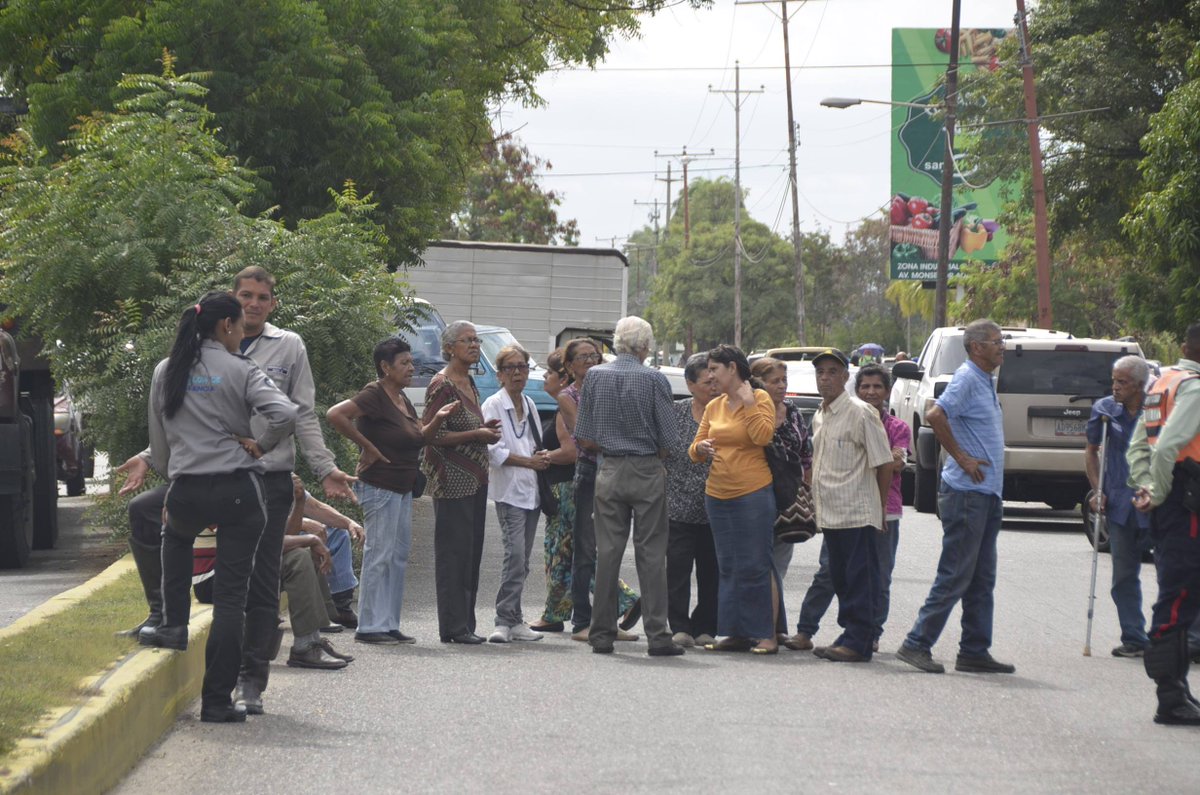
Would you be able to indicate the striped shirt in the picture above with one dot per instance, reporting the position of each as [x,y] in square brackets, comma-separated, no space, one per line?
[848,444]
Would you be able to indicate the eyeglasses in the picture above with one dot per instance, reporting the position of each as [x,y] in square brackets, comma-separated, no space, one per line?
[999,343]
[587,357]
[515,368]
[469,341]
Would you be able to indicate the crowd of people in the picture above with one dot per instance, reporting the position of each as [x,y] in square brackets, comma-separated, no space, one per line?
[720,485]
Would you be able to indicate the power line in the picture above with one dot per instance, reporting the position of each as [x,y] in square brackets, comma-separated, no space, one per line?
[541,175]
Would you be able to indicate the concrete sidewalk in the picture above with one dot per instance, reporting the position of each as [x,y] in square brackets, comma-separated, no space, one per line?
[88,747]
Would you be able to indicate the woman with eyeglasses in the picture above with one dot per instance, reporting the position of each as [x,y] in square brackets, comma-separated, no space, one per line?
[456,465]
[581,354]
[515,461]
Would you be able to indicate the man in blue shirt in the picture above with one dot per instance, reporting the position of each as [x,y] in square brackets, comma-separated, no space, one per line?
[969,426]
[1128,529]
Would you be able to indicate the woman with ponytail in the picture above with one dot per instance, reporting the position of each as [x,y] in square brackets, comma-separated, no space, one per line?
[201,399]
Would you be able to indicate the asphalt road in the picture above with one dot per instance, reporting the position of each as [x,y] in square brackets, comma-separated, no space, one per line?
[550,716]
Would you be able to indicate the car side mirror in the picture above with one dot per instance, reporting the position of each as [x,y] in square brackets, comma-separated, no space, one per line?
[909,370]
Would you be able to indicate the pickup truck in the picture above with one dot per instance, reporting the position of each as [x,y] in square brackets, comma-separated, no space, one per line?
[1046,387]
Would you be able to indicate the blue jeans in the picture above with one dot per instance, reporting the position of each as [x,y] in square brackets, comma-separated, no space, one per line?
[387,519]
[1127,542]
[518,526]
[820,593]
[583,553]
[854,570]
[341,576]
[744,536]
[966,571]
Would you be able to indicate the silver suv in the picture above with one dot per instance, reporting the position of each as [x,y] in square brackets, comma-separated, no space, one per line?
[1046,388]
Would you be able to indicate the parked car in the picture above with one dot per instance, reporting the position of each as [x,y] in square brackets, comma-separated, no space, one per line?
[75,460]
[424,334]
[1046,387]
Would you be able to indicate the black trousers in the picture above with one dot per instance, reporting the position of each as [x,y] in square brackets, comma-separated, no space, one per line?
[691,543]
[145,516]
[262,602]
[1176,534]
[237,503]
[458,550]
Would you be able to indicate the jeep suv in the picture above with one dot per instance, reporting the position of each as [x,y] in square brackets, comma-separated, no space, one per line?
[1046,387]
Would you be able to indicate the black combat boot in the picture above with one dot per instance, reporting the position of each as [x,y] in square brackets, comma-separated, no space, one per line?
[149,567]
[1166,662]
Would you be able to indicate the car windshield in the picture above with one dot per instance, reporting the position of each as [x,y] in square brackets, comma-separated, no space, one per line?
[425,338]
[951,355]
[1054,372]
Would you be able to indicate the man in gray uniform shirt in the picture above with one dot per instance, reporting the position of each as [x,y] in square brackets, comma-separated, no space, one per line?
[282,356]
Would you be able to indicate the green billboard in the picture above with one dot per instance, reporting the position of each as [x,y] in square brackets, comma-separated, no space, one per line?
[919,58]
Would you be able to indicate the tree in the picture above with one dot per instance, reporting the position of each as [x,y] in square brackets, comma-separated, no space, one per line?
[504,202]
[692,295]
[392,94]
[103,249]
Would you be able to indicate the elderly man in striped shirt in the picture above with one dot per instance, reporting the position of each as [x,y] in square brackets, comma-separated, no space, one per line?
[852,471]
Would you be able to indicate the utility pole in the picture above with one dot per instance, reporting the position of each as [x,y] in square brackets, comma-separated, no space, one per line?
[685,158]
[947,203]
[1041,235]
[785,18]
[668,180]
[653,214]
[737,195]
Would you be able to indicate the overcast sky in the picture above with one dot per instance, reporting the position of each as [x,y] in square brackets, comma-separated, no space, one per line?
[599,129]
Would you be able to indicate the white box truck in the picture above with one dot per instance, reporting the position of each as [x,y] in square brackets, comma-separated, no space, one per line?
[545,295]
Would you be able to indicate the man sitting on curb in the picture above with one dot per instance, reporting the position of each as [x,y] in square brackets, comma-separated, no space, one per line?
[338,532]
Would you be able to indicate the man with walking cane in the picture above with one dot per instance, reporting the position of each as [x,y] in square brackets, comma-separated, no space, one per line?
[1165,473]
[1116,417]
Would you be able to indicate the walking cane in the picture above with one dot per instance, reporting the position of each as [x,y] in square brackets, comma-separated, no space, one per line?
[1097,517]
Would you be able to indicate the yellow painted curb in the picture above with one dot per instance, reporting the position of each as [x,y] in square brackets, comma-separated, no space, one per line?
[90,746]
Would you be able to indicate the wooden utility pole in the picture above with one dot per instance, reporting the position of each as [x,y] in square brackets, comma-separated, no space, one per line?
[947,204]
[668,180]
[737,195]
[785,18]
[1041,235]
[685,159]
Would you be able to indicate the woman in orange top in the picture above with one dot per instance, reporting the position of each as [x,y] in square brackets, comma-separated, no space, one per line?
[740,501]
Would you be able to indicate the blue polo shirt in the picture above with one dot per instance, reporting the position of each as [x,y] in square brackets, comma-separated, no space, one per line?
[1119,496]
[971,406]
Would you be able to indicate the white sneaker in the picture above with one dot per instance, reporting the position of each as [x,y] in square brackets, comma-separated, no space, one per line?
[523,632]
[683,639]
[501,635]
[704,639]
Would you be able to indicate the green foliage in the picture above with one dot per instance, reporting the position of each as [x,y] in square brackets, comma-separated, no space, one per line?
[104,248]
[393,94]
[1092,54]
[504,202]
[1166,221]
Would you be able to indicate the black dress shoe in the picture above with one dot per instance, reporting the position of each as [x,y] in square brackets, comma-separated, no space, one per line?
[315,657]
[332,652]
[987,664]
[332,629]
[602,650]
[169,638]
[665,651]
[556,626]
[401,637]
[375,638]
[232,713]
[468,638]
[347,619]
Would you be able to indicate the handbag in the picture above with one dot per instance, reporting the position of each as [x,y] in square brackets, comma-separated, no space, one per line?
[547,501]
[419,484]
[797,522]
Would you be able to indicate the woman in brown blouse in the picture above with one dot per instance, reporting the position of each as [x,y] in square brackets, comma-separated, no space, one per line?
[384,425]
[456,464]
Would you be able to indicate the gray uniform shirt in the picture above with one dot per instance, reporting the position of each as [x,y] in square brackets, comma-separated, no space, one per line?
[222,392]
[282,356]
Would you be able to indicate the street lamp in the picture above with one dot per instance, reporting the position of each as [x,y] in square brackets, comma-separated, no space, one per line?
[849,102]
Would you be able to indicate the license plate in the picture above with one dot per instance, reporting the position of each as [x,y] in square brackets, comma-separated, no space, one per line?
[1070,427]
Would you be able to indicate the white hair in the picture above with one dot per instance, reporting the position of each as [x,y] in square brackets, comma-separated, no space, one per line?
[450,335]
[1136,366]
[633,335]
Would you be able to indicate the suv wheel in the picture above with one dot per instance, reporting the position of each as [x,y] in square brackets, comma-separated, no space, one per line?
[1089,526]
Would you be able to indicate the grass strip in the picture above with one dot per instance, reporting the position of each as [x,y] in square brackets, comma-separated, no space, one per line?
[43,668]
